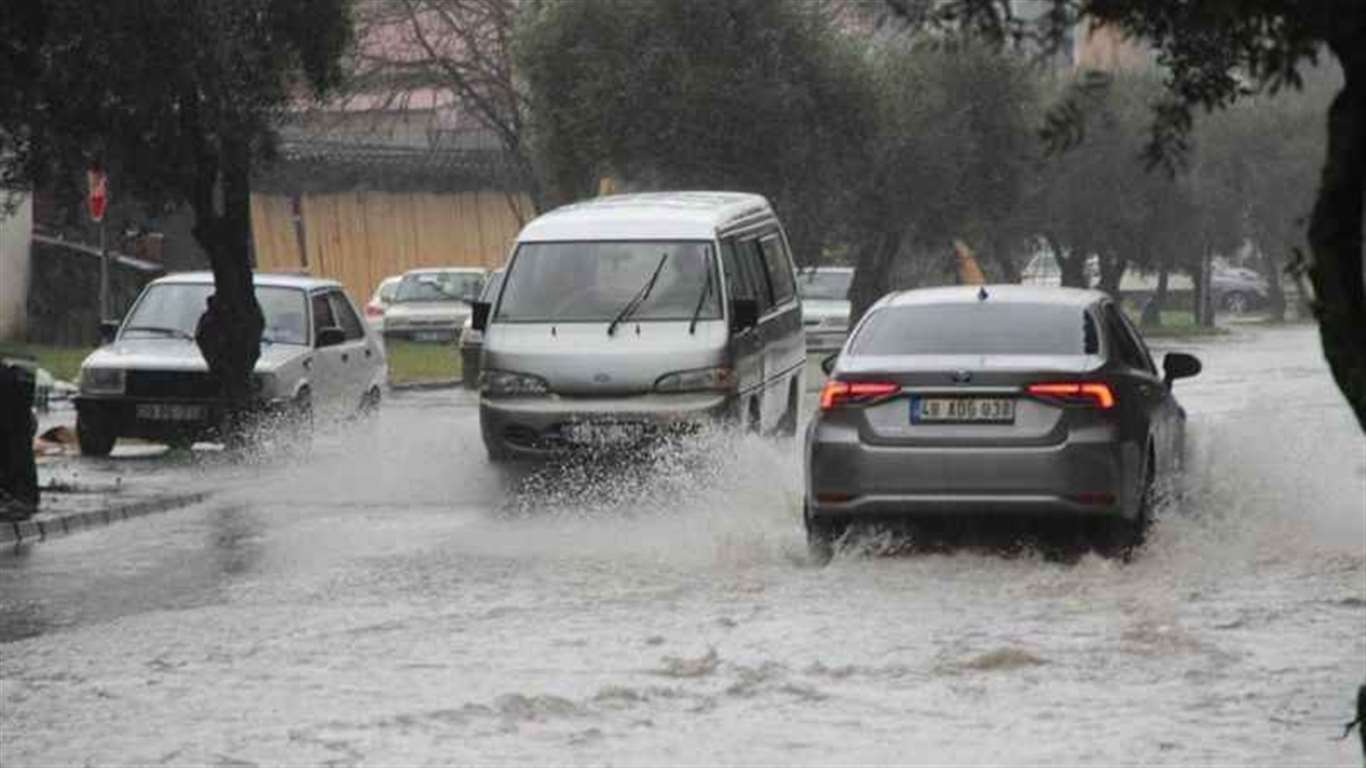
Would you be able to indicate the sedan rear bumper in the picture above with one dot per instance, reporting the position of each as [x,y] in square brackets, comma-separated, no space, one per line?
[851,479]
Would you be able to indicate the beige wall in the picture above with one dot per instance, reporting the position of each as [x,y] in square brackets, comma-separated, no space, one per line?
[16,229]
[359,238]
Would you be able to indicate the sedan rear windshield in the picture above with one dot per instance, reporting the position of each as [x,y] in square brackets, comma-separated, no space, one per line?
[982,328]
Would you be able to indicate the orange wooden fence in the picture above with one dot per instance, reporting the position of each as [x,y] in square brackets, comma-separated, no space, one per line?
[358,238]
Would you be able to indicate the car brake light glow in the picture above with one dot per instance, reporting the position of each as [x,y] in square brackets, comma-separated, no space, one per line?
[837,393]
[374,310]
[1091,393]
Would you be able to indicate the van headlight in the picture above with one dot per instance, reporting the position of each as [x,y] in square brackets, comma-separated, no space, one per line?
[103,381]
[493,382]
[697,380]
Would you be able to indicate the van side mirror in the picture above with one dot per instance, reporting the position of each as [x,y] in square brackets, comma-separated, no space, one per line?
[744,314]
[330,336]
[479,315]
[1179,365]
[108,330]
[828,364]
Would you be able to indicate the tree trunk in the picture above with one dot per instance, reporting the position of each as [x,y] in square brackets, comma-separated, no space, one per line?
[872,268]
[1198,292]
[1112,273]
[1152,311]
[1001,254]
[1335,230]
[229,333]
[1073,270]
[1275,287]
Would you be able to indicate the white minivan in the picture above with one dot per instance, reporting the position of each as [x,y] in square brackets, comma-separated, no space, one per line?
[628,316]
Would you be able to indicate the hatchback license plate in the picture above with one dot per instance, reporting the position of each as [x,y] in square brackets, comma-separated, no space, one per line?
[171,412]
[964,410]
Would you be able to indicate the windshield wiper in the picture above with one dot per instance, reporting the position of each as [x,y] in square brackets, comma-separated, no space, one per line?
[697,310]
[176,332]
[640,297]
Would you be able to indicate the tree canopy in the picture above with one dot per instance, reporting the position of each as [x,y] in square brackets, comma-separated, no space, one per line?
[176,99]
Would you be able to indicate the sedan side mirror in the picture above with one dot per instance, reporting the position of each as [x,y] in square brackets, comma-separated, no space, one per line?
[479,315]
[828,364]
[108,330]
[744,313]
[330,336]
[1179,365]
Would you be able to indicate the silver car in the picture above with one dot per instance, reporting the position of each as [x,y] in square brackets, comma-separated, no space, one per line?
[629,316]
[825,306]
[432,304]
[1003,400]
[150,380]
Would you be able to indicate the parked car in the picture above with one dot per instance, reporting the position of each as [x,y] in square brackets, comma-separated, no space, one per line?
[1238,289]
[150,380]
[825,306]
[472,341]
[432,304]
[379,302]
[1005,399]
[628,316]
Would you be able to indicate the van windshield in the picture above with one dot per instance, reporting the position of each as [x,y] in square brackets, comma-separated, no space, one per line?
[594,281]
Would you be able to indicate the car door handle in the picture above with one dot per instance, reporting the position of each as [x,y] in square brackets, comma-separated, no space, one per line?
[367,353]
[345,357]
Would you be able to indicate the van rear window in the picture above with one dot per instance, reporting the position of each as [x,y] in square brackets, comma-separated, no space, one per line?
[981,328]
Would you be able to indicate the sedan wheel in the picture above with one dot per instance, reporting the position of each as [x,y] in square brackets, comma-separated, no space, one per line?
[1236,303]
[821,534]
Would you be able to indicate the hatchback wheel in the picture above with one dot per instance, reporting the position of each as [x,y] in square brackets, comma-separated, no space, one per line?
[1236,303]
[1121,537]
[94,432]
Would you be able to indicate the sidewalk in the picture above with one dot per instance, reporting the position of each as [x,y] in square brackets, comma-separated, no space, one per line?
[79,493]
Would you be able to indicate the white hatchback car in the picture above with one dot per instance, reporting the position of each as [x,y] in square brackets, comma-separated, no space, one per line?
[151,381]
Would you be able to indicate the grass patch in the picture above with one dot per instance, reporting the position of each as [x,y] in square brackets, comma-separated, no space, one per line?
[411,361]
[1176,324]
[64,363]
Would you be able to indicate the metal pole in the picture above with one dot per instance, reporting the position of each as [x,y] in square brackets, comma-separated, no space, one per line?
[104,277]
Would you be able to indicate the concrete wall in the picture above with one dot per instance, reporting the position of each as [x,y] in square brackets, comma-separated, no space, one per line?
[15,230]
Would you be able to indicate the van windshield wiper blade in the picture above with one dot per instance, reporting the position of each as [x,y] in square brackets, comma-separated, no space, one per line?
[640,297]
[176,332]
[697,310]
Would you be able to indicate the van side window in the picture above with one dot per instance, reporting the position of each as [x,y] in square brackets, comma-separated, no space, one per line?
[752,261]
[779,268]
[737,281]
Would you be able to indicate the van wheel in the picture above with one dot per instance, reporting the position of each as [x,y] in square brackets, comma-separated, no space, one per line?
[369,403]
[787,426]
[94,433]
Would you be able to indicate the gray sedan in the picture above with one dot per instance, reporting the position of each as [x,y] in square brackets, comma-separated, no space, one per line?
[1000,400]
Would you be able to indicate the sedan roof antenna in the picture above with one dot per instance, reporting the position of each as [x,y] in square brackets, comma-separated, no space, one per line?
[982,294]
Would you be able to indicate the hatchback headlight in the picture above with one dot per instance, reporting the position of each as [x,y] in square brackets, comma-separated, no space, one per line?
[697,380]
[103,381]
[511,383]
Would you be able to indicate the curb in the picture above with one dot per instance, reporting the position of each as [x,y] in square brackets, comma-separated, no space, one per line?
[27,530]
[410,386]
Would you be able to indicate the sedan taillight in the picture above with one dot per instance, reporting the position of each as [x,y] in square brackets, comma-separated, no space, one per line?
[1093,394]
[374,310]
[838,393]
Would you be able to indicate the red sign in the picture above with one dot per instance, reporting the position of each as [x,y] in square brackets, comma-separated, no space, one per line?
[98,198]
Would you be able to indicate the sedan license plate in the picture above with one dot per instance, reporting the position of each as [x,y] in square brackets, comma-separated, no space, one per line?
[962,410]
[171,412]
[431,336]
[601,433]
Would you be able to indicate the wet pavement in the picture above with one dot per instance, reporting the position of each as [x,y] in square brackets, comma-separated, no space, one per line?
[394,599]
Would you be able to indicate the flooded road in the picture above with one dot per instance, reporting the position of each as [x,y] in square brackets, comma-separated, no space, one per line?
[396,600]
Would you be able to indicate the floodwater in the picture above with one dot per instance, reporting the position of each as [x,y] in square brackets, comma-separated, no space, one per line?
[395,600]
